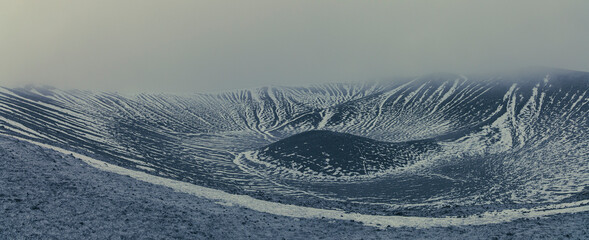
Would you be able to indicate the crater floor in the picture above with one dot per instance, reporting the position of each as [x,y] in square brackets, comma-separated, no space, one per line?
[340,154]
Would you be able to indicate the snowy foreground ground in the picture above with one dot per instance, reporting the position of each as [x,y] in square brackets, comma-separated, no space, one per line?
[45,194]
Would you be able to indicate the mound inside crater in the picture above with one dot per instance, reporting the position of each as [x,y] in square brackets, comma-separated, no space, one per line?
[341,154]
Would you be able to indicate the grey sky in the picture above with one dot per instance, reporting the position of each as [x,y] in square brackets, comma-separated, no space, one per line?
[199,46]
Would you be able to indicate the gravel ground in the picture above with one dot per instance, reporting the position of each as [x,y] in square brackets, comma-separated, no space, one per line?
[48,195]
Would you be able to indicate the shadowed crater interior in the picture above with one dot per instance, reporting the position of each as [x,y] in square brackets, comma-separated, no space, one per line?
[341,154]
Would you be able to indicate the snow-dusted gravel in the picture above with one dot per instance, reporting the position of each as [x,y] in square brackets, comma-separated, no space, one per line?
[45,194]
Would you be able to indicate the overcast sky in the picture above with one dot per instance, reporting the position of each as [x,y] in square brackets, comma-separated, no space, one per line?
[200,46]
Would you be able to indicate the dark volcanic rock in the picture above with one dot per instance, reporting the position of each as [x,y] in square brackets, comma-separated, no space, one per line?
[341,154]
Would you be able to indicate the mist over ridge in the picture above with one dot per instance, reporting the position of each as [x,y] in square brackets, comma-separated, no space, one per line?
[185,47]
